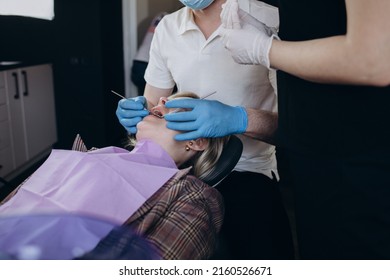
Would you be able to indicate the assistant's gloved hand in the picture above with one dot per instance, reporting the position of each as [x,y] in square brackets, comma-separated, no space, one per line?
[229,15]
[131,111]
[208,118]
[248,39]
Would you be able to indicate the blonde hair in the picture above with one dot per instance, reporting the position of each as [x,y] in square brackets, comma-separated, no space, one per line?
[204,162]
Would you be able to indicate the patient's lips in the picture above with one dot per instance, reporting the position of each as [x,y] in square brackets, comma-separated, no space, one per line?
[159,110]
[156,113]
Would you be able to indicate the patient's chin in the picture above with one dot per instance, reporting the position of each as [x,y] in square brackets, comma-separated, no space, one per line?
[145,131]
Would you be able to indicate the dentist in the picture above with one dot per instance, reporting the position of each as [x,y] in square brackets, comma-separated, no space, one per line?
[187,52]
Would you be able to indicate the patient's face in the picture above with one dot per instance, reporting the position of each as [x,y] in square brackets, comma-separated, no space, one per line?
[154,128]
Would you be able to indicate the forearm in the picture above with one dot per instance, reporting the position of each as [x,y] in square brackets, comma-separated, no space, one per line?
[262,125]
[329,60]
[359,57]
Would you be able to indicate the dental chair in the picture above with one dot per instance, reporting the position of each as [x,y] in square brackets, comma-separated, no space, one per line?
[226,163]
[228,160]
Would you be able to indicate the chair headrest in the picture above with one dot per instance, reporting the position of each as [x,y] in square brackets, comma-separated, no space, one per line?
[227,161]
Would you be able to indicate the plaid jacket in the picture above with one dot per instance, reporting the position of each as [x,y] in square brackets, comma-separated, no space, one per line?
[182,219]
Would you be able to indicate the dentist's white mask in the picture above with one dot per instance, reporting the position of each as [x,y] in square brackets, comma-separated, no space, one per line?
[197,4]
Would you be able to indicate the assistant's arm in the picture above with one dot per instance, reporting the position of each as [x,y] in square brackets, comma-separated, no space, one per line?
[360,57]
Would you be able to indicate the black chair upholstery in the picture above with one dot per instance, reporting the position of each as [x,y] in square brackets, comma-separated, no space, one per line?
[226,163]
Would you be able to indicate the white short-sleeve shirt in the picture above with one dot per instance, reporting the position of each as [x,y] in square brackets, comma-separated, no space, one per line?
[180,55]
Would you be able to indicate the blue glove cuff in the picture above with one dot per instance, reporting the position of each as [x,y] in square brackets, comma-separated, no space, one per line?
[243,125]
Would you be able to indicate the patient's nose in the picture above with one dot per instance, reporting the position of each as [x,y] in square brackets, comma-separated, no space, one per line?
[162,100]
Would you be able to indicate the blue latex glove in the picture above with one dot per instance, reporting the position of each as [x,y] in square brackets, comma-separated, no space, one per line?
[208,118]
[130,112]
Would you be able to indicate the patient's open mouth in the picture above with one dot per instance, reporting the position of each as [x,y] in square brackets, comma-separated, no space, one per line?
[157,114]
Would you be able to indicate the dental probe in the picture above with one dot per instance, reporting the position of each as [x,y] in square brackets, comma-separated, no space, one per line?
[151,113]
[207,95]
[118,94]
[203,97]
[174,111]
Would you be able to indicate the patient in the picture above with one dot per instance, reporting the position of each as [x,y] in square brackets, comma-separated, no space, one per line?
[143,191]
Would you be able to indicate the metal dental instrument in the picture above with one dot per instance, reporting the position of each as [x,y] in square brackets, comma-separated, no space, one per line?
[203,97]
[150,112]
[118,94]
[207,95]
[174,111]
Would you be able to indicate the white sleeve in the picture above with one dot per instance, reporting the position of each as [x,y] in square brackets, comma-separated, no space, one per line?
[273,80]
[157,73]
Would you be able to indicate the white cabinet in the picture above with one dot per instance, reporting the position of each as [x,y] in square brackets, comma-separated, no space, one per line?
[6,152]
[30,104]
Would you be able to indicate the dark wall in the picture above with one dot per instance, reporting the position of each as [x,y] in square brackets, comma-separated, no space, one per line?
[84,43]
[24,38]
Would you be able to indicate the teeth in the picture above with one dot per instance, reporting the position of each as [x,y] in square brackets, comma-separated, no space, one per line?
[156,114]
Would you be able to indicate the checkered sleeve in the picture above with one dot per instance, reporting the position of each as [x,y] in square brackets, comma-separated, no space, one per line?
[185,220]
